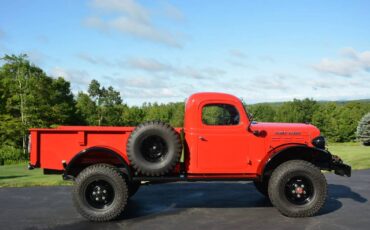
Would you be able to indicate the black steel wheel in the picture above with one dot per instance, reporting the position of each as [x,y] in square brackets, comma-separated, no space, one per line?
[100,192]
[154,148]
[297,188]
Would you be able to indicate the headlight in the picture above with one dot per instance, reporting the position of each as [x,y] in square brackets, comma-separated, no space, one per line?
[319,142]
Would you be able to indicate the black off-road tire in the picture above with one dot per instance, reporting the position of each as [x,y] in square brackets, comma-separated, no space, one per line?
[279,187]
[154,148]
[87,180]
[133,187]
[262,187]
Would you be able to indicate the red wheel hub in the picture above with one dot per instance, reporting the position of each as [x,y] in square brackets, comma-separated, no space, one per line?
[299,190]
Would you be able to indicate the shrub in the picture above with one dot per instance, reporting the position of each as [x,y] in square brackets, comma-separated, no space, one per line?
[10,155]
[363,130]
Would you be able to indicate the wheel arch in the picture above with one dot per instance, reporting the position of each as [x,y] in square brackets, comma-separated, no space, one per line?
[95,155]
[319,157]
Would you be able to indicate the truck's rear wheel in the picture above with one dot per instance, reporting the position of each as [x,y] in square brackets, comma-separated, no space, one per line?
[100,192]
[297,188]
[153,148]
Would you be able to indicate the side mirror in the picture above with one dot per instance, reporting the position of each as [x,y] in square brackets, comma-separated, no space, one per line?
[256,132]
[259,133]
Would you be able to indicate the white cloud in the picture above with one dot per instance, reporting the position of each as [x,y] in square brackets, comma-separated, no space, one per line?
[147,95]
[127,7]
[79,79]
[145,88]
[154,66]
[133,19]
[241,64]
[337,67]
[173,12]
[141,79]
[148,64]
[94,60]
[96,22]
[199,73]
[212,72]
[151,65]
[350,63]
[273,82]
[143,30]
[143,82]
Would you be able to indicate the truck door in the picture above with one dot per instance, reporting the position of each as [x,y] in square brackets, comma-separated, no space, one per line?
[222,140]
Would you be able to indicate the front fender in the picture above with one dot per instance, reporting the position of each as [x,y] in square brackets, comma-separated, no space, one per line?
[319,157]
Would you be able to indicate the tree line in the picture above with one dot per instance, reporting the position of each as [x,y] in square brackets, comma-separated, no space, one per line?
[31,98]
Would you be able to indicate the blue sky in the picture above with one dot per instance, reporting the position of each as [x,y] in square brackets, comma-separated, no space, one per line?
[165,50]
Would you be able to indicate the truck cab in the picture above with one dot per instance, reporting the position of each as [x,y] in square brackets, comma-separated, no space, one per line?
[216,132]
[221,138]
[219,141]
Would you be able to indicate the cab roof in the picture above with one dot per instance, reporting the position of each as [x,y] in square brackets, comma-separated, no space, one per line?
[204,96]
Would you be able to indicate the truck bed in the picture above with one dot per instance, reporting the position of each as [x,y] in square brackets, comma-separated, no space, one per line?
[50,147]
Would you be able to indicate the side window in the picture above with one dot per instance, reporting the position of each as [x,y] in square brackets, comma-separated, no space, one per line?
[220,114]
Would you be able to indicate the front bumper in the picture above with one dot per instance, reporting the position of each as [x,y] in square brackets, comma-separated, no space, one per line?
[339,168]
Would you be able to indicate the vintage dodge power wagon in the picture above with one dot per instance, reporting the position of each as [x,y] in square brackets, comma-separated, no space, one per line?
[219,141]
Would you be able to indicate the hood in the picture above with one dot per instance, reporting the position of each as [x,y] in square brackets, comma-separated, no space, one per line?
[286,133]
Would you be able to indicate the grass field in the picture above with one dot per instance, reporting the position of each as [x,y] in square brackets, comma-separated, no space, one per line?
[19,176]
[354,154]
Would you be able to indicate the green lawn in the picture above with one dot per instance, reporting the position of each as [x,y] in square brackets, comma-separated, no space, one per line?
[354,154]
[19,176]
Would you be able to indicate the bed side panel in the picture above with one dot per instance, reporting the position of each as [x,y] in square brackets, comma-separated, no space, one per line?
[55,146]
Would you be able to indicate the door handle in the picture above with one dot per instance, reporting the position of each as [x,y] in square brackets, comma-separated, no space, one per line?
[202,138]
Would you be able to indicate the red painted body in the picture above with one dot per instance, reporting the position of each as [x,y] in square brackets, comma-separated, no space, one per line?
[232,151]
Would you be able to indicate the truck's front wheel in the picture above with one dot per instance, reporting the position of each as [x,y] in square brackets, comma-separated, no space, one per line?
[297,188]
[100,192]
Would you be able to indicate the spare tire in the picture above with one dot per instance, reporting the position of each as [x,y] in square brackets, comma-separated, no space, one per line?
[154,148]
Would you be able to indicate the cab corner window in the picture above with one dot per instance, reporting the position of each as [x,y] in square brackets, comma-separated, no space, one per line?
[220,114]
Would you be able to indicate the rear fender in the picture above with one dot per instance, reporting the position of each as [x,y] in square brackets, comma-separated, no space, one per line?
[95,155]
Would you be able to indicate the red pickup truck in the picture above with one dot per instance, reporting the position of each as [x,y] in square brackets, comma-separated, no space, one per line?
[219,141]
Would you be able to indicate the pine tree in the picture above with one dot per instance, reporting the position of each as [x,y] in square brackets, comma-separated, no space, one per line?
[363,130]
